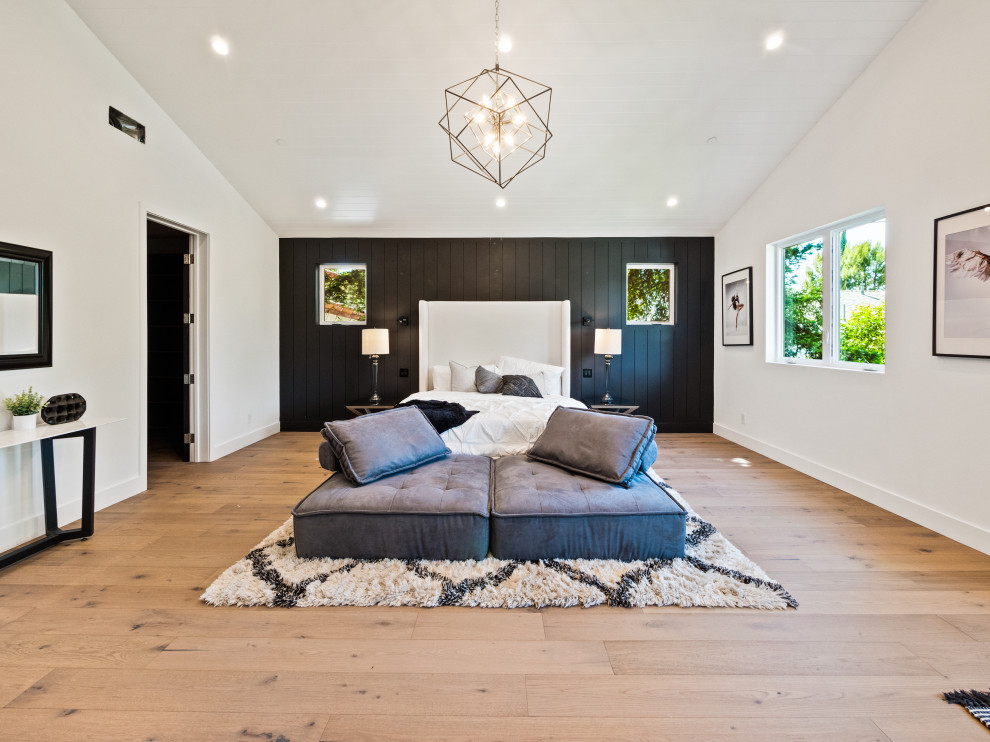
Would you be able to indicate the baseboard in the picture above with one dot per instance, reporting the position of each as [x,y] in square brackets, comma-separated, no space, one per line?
[302,426]
[218,452]
[947,525]
[27,529]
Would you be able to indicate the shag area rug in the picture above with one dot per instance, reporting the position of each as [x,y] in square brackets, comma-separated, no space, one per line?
[976,702]
[712,573]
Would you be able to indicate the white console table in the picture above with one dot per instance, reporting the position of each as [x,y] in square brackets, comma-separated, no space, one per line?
[46,435]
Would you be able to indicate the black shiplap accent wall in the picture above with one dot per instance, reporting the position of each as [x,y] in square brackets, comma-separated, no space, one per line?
[667,370]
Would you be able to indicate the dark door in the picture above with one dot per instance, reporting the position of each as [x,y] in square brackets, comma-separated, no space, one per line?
[169,323]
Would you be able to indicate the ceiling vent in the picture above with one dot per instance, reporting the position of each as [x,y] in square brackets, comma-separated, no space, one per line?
[126,124]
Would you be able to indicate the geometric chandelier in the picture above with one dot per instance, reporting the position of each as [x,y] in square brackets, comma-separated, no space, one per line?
[498,122]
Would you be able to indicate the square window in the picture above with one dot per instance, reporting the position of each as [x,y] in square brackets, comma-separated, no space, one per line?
[830,294]
[341,293]
[649,293]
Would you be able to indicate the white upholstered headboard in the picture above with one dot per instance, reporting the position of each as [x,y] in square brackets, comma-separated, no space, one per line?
[476,332]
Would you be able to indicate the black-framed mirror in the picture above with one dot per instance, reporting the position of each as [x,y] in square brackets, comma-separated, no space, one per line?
[25,307]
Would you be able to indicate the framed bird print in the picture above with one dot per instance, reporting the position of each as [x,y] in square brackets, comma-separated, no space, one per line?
[961,315]
[737,303]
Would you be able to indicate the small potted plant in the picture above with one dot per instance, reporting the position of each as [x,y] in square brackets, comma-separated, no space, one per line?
[25,408]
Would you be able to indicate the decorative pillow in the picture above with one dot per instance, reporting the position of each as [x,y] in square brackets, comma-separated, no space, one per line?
[441,378]
[519,386]
[488,382]
[462,377]
[373,446]
[603,445]
[327,459]
[650,454]
[551,383]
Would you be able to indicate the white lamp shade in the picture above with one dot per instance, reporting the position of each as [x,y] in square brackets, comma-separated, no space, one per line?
[374,342]
[608,342]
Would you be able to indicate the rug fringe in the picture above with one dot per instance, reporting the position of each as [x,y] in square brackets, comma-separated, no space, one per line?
[968,698]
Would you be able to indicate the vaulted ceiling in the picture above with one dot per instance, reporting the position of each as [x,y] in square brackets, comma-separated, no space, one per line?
[340,99]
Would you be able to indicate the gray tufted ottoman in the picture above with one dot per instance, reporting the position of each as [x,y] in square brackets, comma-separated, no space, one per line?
[436,511]
[542,512]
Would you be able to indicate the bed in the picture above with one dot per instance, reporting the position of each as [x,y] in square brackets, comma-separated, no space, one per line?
[480,333]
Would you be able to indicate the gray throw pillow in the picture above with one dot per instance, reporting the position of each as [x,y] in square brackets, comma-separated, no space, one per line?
[602,445]
[488,382]
[373,446]
[514,385]
[326,455]
[649,458]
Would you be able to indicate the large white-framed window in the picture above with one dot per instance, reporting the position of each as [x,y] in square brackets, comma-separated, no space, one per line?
[828,295]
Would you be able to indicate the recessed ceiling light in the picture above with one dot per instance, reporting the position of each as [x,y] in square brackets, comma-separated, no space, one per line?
[500,202]
[713,140]
[774,41]
[321,203]
[220,45]
[505,44]
[280,142]
[672,201]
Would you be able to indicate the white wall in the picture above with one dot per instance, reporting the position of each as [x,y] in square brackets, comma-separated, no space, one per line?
[911,135]
[72,184]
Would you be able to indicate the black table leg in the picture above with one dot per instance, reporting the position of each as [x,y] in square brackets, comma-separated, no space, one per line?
[54,534]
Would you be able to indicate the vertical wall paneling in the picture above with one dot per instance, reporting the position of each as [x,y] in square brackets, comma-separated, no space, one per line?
[667,370]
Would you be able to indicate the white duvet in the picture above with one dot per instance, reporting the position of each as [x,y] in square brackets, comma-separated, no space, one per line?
[503,425]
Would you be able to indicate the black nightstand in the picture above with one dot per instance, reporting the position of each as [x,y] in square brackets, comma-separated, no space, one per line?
[625,409]
[363,408]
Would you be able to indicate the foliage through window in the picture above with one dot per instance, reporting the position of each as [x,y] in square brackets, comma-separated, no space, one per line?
[342,293]
[649,293]
[831,294]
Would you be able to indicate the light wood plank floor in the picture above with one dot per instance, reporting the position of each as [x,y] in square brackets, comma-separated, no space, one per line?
[106,639]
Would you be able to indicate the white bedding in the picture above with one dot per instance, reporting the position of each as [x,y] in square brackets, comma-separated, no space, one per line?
[504,425]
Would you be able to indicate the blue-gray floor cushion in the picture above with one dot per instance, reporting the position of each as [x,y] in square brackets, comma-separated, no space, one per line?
[436,511]
[543,512]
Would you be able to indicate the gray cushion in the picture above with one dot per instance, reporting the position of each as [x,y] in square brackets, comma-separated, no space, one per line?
[542,512]
[488,382]
[604,445]
[514,385]
[327,458]
[462,377]
[436,511]
[373,446]
[649,458]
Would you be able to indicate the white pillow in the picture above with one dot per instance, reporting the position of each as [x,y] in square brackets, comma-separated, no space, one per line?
[441,378]
[552,375]
[462,377]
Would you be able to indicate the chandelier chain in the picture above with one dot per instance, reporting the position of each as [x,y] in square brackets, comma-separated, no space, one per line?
[496,34]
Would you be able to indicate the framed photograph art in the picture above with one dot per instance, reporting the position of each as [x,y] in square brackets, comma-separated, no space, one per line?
[961,313]
[341,293]
[737,307]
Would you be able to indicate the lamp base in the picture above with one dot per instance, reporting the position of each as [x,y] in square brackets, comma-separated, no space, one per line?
[375,399]
[607,398]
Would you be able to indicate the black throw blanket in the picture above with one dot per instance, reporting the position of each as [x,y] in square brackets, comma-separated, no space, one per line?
[443,415]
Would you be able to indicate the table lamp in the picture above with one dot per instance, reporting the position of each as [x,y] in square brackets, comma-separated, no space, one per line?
[608,343]
[374,343]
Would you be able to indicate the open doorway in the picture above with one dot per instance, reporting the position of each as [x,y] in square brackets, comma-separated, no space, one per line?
[170,316]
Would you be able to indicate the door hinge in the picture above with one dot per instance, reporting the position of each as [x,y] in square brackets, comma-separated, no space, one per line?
[188,378]
[188,319]
[188,259]
[189,438]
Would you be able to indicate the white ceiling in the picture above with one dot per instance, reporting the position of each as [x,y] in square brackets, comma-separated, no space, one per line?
[354,90]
